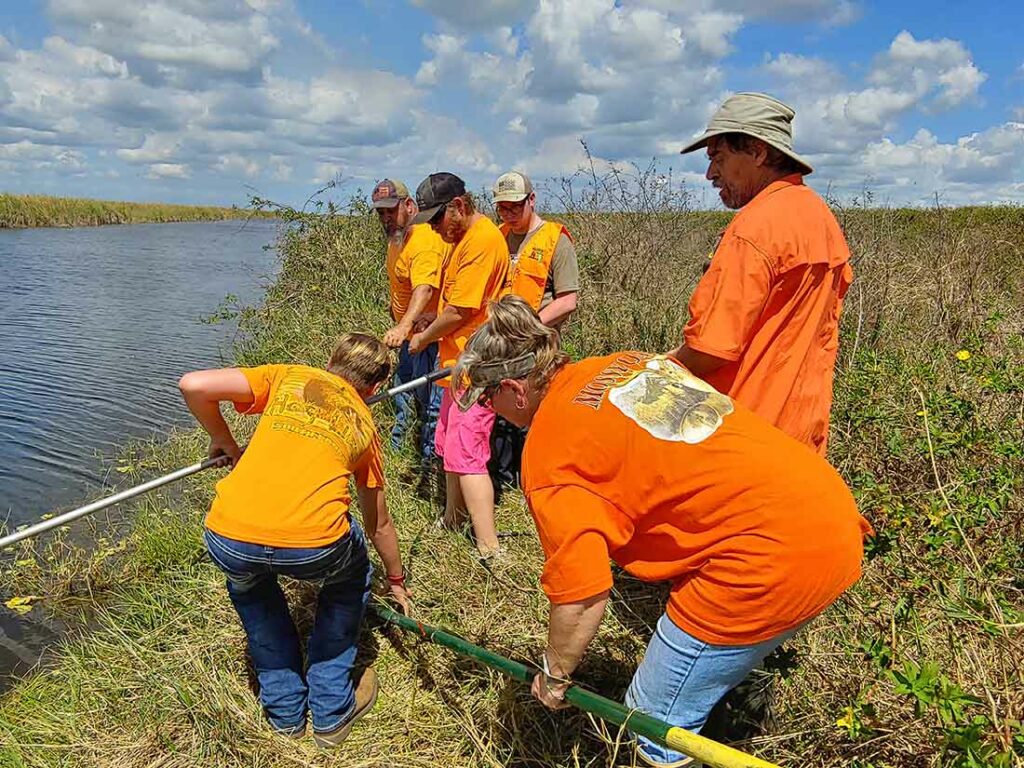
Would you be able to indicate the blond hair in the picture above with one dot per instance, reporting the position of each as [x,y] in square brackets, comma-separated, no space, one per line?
[363,361]
[513,329]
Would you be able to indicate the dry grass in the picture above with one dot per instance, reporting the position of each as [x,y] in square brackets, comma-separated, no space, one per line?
[918,665]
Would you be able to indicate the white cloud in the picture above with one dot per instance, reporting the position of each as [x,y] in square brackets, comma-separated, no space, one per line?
[922,66]
[814,74]
[712,32]
[155,148]
[169,171]
[964,170]
[236,164]
[324,173]
[911,76]
[227,37]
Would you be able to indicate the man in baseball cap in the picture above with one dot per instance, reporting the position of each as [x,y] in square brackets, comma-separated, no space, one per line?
[764,319]
[545,273]
[415,257]
[476,274]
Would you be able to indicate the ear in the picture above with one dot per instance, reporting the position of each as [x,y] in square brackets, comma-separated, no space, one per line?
[759,151]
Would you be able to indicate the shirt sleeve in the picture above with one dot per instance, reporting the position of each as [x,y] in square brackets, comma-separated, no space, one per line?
[577,530]
[565,268]
[474,272]
[369,473]
[425,268]
[261,381]
[729,299]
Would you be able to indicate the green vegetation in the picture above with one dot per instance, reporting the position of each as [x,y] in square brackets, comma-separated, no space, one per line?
[18,211]
[920,664]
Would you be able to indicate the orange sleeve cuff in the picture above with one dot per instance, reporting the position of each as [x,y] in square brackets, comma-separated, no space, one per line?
[697,344]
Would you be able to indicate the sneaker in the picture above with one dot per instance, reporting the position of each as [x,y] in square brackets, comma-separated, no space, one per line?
[366,696]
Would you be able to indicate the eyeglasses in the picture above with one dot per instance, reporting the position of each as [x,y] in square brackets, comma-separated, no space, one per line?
[511,209]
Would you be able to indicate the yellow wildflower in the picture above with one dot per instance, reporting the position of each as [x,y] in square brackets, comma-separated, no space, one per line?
[963,354]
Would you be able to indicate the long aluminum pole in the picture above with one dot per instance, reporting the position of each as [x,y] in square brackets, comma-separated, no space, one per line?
[96,506]
[67,517]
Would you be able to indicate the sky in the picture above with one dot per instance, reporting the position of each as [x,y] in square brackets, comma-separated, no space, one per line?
[211,101]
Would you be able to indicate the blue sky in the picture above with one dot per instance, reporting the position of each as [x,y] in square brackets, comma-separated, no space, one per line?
[208,101]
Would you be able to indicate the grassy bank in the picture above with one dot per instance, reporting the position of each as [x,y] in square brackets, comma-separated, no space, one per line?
[920,664]
[20,211]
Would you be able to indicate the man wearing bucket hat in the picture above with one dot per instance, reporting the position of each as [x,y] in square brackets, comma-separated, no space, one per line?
[415,256]
[764,319]
[476,274]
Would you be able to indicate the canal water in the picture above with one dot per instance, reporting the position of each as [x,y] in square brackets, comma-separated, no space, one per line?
[96,326]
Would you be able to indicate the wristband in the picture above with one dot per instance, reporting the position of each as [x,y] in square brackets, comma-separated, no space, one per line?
[398,581]
[548,677]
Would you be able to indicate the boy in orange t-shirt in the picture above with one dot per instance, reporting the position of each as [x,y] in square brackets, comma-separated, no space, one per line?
[285,510]
[631,457]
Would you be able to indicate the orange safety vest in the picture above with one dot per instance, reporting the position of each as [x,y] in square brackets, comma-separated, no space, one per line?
[529,275]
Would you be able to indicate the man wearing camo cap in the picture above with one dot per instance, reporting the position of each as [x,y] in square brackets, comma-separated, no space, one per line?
[416,256]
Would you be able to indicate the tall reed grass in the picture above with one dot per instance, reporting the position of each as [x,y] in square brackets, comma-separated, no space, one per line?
[920,664]
[20,211]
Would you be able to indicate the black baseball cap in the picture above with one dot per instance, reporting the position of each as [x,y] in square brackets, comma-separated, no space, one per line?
[436,190]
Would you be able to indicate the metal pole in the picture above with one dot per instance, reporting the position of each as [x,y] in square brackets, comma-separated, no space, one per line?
[67,517]
[699,747]
[429,378]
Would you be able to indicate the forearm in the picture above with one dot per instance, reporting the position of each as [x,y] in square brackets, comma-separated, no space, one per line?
[380,529]
[446,322]
[207,413]
[559,309]
[571,627]
[421,296]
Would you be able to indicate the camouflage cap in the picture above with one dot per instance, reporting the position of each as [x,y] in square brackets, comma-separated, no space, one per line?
[388,193]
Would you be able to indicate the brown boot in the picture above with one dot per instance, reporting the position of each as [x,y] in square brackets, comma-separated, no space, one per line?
[366,695]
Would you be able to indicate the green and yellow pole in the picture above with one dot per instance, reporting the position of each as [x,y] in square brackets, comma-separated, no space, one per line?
[710,752]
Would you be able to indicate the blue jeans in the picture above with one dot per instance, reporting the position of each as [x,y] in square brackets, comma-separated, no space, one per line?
[343,569]
[681,678]
[425,399]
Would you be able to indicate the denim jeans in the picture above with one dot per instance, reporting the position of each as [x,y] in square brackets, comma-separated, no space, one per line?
[344,571]
[426,400]
[681,678]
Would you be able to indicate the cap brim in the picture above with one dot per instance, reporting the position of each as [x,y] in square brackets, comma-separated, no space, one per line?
[513,197]
[427,214]
[702,141]
[468,398]
[387,202]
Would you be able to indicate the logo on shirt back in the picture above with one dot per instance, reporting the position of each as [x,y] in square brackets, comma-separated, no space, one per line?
[321,409]
[662,397]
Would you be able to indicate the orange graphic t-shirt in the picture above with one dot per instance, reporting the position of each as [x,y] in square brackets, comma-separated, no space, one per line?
[769,304]
[419,262]
[291,486]
[476,274]
[631,456]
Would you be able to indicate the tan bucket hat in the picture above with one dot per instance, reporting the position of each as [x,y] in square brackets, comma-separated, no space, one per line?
[754,114]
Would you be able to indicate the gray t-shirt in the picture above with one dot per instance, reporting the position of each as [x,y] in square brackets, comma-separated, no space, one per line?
[564,275]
